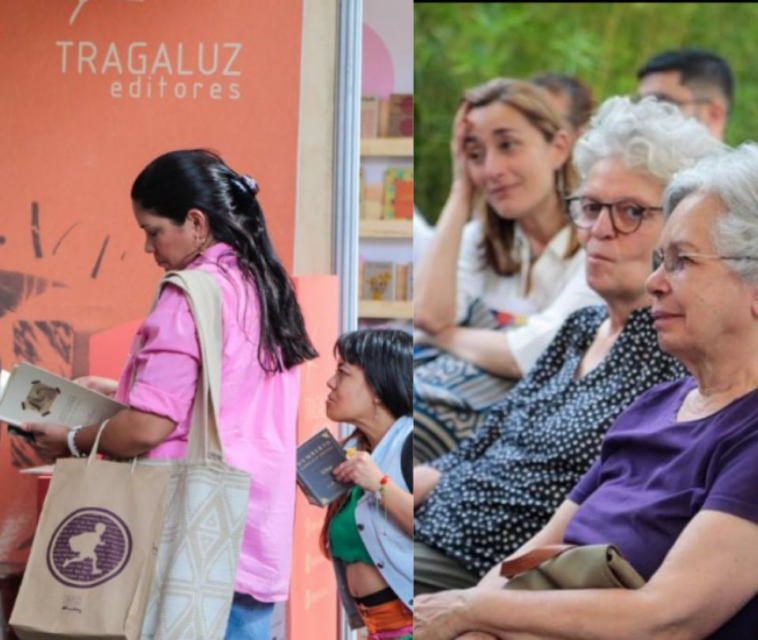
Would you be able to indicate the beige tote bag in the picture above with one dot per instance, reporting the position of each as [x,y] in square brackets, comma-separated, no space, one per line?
[94,551]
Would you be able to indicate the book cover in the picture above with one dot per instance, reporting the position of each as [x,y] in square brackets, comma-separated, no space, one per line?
[384,118]
[398,193]
[401,287]
[373,207]
[378,281]
[369,116]
[316,459]
[31,394]
[400,120]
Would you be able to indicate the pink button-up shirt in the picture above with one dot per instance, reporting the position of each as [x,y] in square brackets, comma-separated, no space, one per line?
[257,413]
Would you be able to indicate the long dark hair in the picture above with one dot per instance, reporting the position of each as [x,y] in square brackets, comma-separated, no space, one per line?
[178,181]
[386,358]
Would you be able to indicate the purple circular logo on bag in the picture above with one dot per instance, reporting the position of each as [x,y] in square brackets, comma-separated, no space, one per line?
[89,547]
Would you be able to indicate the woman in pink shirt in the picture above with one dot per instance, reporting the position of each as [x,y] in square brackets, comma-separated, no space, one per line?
[197,213]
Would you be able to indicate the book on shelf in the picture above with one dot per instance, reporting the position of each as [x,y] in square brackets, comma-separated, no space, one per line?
[369,116]
[31,394]
[378,280]
[398,193]
[317,457]
[384,118]
[373,201]
[400,118]
[401,286]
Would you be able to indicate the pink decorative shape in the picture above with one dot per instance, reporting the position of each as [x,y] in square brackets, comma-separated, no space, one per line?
[378,73]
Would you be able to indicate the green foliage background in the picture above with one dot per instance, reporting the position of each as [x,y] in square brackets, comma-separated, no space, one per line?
[460,45]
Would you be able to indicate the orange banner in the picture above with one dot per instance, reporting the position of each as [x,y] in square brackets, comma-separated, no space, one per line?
[94,90]
[313,594]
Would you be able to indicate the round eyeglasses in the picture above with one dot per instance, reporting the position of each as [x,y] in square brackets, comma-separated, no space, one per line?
[675,262]
[626,216]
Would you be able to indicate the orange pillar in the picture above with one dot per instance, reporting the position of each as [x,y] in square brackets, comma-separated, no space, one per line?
[313,592]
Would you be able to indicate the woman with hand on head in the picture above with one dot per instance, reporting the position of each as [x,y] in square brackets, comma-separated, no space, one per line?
[368,534]
[197,213]
[485,500]
[492,293]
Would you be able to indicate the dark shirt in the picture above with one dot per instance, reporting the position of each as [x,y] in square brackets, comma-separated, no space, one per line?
[406,462]
[501,486]
[655,474]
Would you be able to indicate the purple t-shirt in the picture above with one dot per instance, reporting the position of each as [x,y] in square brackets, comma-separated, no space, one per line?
[655,474]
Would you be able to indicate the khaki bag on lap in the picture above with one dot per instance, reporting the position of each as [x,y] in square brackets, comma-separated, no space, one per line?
[597,566]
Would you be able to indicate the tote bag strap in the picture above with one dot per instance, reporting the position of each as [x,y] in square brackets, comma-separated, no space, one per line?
[204,298]
[531,559]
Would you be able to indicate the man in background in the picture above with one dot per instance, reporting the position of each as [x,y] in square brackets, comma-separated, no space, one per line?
[699,82]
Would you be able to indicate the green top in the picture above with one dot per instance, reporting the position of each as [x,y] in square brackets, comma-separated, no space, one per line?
[345,542]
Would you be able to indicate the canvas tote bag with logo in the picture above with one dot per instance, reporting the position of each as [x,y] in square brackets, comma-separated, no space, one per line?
[94,551]
[193,586]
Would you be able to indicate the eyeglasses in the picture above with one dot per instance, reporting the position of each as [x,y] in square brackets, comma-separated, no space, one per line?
[675,262]
[626,216]
[669,99]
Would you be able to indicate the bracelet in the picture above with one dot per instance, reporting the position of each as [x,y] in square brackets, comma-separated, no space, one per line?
[72,444]
[382,487]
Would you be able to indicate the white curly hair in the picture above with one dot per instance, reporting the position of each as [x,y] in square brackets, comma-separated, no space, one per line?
[649,135]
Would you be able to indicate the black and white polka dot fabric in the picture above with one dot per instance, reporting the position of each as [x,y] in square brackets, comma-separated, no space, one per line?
[502,485]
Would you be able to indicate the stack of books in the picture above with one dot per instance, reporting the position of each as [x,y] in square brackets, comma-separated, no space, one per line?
[391,118]
[392,200]
[386,281]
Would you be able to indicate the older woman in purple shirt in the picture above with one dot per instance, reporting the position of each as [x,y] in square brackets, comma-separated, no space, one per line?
[676,486]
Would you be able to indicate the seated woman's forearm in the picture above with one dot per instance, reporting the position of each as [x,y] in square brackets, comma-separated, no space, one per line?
[129,433]
[588,614]
[435,285]
[487,349]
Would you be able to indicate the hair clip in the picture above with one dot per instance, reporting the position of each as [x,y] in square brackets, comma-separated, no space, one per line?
[251,184]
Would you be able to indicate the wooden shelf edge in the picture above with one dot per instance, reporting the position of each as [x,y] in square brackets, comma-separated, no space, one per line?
[385,309]
[400,147]
[386,229]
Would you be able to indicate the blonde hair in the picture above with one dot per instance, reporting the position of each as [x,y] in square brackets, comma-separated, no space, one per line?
[529,100]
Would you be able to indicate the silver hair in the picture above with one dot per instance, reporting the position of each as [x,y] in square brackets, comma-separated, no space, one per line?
[733,178]
[649,135]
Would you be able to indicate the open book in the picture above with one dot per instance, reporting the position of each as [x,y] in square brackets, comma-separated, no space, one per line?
[31,394]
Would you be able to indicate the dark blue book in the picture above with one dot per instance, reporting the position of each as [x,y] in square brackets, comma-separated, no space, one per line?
[316,459]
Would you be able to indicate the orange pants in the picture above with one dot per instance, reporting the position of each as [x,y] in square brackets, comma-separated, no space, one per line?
[389,620]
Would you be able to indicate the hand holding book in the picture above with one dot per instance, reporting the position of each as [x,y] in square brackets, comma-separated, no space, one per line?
[360,469]
[317,458]
[49,440]
[104,386]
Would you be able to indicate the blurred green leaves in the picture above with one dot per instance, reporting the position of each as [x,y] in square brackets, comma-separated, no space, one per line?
[458,45]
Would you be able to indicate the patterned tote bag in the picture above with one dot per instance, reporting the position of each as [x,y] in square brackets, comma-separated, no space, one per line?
[193,584]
